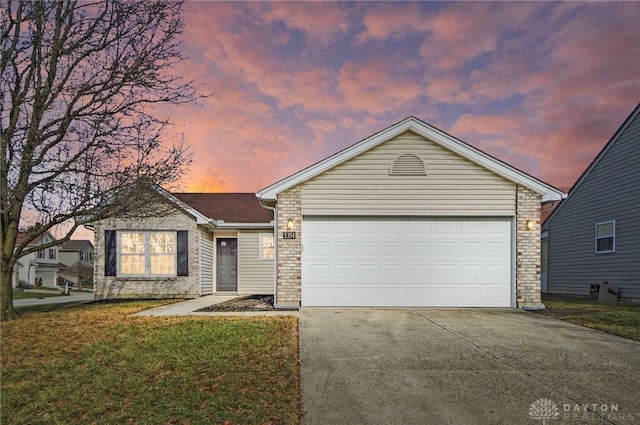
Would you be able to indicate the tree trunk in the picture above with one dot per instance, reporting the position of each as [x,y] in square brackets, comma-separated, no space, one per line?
[6,293]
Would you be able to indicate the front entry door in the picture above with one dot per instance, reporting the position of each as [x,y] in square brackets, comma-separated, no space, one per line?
[227,264]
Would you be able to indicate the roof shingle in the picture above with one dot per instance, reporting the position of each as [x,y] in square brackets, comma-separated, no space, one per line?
[230,207]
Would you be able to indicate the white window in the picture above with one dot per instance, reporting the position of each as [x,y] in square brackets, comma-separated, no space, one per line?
[52,253]
[606,236]
[41,254]
[147,254]
[266,246]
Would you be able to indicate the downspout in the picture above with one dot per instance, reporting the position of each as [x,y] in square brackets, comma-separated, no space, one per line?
[275,251]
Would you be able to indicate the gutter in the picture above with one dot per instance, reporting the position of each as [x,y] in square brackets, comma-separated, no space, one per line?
[220,224]
[275,251]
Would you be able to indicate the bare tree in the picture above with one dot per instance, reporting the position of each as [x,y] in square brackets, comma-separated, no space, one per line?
[82,83]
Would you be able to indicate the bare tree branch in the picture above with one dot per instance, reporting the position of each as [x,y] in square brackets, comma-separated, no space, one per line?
[80,84]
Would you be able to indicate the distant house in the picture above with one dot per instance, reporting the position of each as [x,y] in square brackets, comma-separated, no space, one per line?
[40,267]
[593,236]
[77,258]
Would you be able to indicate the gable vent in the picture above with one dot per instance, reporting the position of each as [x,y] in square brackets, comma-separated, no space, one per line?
[408,164]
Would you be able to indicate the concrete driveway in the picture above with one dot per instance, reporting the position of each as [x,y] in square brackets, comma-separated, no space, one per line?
[462,366]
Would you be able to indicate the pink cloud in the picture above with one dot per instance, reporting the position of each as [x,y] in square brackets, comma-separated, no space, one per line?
[324,22]
[391,20]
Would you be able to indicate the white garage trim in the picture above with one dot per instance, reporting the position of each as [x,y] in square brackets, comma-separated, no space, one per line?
[410,262]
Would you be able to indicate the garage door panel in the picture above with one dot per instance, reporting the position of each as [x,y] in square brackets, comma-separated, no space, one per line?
[369,249]
[406,262]
[418,249]
[344,249]
[369,272]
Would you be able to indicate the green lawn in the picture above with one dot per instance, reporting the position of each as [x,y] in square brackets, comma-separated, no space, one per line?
[21,295]
[619,319]
[95,364]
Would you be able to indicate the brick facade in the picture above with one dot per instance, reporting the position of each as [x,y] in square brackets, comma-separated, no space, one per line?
[528,204]
[108,287]
[289,270]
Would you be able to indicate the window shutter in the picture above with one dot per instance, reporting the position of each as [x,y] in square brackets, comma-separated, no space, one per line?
[110,253]
[183,253]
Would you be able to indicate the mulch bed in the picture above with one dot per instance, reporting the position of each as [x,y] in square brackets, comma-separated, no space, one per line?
[248,303]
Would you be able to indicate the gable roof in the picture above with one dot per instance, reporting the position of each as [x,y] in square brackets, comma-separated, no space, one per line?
[548,192]
[75,245]
[227,207]
[21,236]
[634,114]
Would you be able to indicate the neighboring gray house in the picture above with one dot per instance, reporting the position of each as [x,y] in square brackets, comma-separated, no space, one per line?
[410,216]
[593,236]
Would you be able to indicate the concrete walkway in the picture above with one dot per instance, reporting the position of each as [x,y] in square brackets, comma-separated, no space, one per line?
[75,296]
[462,366]
[189,307]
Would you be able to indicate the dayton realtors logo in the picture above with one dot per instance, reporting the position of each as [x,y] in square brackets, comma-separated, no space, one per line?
[545,409]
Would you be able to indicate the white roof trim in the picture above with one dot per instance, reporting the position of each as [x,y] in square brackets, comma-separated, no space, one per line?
[597,159]
[548,192]
[224,225]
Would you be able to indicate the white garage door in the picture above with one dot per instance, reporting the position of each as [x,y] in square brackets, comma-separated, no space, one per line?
[406,262]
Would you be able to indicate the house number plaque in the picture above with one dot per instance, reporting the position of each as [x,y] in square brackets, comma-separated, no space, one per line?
[288,235]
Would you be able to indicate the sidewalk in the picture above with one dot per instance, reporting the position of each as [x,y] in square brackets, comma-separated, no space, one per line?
[189,307]
[75,296]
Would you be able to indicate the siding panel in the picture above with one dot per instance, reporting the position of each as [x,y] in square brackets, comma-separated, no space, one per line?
[206,262]
[453,185]
[609,192]
[255,276]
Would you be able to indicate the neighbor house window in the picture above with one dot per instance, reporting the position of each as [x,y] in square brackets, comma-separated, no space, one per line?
[86,256]
[52,254]
[606,236]
[266,246]
[147,253]
[41,254]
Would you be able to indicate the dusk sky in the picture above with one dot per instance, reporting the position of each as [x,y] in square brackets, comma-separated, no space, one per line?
[542,86]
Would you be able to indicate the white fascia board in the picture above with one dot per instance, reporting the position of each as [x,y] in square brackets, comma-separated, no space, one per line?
[549,193]
[244,225]
[271,192]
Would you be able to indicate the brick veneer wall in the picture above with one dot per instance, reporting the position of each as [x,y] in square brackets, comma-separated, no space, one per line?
[528,243]
[289,270]
[109,287]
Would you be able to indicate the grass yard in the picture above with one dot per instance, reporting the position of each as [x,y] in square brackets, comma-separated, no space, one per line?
[618,319]
[93,364]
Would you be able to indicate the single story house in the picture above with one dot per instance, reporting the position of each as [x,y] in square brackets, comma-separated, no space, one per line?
[593,236]
[198,244]
[409,216]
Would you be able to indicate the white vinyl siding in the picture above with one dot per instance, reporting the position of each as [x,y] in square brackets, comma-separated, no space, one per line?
[206,262]
[453,185]
[255,274]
